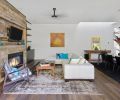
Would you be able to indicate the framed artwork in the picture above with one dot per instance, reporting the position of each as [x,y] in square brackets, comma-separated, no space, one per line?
[95,43]
[57,40]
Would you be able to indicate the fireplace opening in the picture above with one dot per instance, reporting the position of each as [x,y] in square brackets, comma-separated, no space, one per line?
[15,59]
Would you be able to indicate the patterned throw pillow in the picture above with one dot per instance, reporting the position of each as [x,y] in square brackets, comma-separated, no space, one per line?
[82,61]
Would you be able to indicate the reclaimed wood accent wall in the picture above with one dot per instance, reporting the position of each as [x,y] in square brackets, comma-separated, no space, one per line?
[10,16]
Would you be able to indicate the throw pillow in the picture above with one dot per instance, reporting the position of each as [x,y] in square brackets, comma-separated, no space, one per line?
[74,61]
[69,61]
[82,61]
[65,55]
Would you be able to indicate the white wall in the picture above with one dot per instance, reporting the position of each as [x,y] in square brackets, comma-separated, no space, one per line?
[77,37]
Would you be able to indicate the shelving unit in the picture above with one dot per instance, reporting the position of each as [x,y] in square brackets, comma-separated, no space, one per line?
[29,35]
[29,41]
[28,29]
[28,22]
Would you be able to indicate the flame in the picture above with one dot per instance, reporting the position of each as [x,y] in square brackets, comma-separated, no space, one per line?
[14,62]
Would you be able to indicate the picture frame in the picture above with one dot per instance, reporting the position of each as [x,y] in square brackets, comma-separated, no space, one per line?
[57,39]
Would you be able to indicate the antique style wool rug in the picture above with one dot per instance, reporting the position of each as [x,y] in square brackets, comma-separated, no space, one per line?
[47,84]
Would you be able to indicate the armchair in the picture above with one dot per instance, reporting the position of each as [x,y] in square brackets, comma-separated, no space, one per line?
[14,75]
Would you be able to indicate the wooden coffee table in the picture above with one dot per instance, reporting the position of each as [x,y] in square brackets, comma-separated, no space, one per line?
[48,66]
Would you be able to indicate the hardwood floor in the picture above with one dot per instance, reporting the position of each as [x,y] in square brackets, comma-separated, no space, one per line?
[109,88]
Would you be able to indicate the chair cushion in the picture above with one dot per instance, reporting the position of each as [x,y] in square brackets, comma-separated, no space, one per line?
[15,70]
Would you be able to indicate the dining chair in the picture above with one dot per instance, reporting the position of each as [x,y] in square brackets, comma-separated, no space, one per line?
[117,62]
[110,63]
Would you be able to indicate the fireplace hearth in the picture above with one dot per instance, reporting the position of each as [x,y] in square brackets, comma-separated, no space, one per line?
[15,59]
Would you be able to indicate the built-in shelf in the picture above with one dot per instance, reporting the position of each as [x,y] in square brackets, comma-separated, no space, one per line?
[28,22]
[29,35]
[29,41]
[28,28]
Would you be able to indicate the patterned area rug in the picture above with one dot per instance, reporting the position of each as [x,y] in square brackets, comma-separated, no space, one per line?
[47,84]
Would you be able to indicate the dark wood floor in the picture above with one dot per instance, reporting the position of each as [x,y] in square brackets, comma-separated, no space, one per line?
[109,88]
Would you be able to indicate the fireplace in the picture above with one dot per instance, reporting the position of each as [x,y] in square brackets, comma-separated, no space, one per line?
[15,59]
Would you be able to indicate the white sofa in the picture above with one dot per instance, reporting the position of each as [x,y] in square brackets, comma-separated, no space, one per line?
[83,71]
[62,61]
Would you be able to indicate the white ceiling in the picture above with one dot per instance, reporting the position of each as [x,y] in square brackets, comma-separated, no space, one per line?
[69,11]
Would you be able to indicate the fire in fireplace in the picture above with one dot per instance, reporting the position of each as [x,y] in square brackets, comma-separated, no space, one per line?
[15,59]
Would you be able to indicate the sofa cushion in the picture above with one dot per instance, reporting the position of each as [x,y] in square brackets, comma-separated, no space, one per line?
[74,61]
[82,61]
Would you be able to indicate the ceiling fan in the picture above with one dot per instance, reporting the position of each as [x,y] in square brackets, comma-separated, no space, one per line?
[54,15]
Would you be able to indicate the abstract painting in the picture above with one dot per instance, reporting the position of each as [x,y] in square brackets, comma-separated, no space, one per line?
[57,39]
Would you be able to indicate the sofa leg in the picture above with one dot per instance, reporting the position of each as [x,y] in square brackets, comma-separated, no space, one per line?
[66,80]
[92,80]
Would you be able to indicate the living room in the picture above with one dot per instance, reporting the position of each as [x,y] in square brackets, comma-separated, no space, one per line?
[56,50]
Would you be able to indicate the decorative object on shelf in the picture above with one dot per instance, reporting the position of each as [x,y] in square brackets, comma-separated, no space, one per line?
[29,41]
[29,48]
[22,42]
[57,39]
[95,43]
